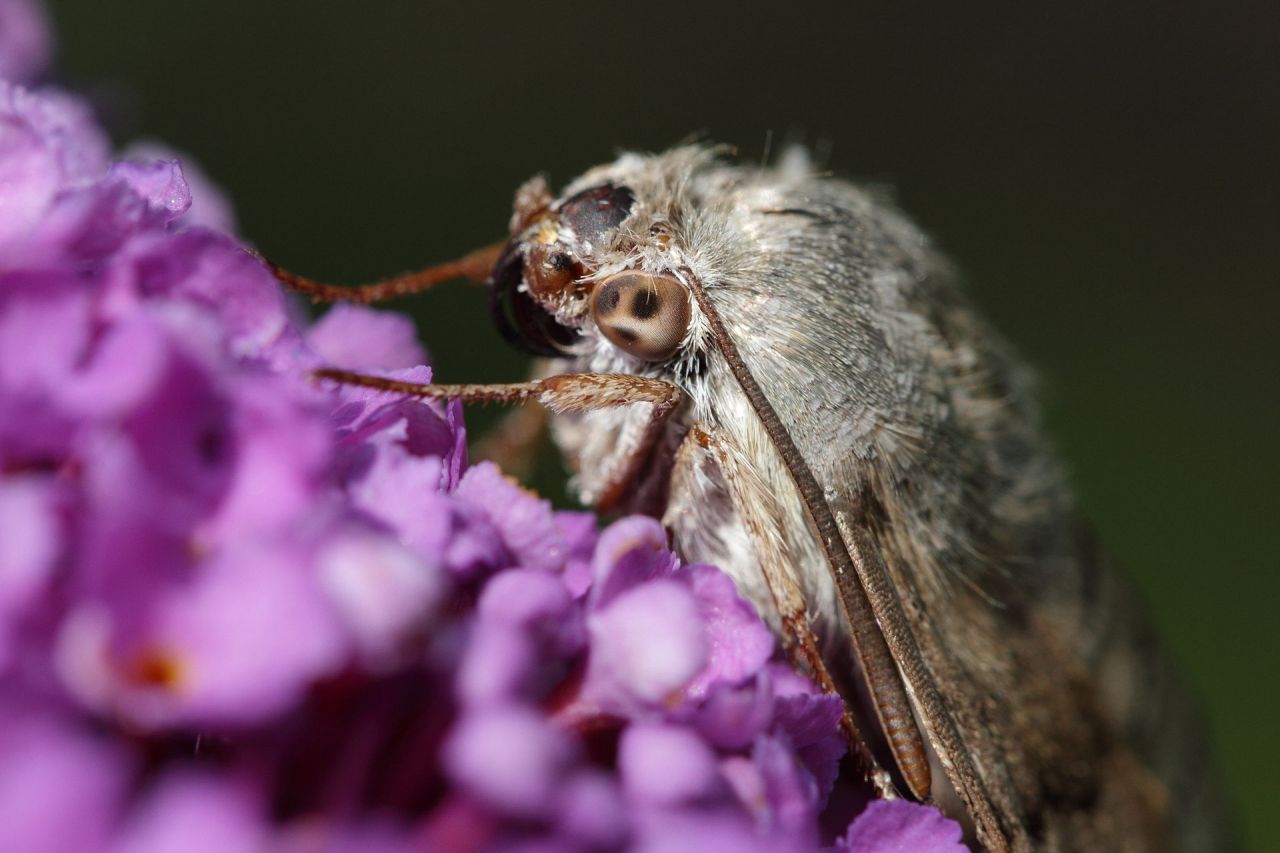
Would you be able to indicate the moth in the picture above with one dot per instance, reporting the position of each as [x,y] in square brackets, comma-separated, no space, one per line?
[781,367]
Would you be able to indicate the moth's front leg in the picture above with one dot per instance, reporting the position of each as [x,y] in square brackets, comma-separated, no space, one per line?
[690,478]
[566,392]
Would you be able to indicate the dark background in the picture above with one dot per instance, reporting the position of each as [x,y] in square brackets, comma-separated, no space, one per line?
[1106,178]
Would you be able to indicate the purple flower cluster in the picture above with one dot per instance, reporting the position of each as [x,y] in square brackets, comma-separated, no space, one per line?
[240,610]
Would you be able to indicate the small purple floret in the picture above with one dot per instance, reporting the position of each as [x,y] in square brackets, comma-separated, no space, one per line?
[896,826]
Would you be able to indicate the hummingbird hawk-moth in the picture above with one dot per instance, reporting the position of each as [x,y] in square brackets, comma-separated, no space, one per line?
[782,368]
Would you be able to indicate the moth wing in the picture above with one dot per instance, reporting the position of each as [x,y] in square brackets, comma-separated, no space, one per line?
[1024,682]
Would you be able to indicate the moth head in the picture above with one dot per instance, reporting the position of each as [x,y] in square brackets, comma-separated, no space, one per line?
[561,274]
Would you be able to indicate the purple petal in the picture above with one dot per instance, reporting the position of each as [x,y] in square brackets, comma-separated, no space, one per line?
[897,826]
[527,627]
[44,335]
[787,682]
[31,542]
[456,458]
[419,428]
[629,552]
[476,546]
[383,591]
[426,433]
[160,182]
[511,757]
[357,338]
[45,332]
[205,272]
[187,813]
[50,145]
[60,790]
[666,764]
[537,602]
[210,207]
[283,454]
[524,520]
[732,716]
[239,644]
[403,491]
[791,793]
[86,225]
[579,532]
[739,641]
[25,42]
[496,666]
[646,646]
[521,597]
[591,810]
[811,725]
[168,422]
[246,602]
[698,831]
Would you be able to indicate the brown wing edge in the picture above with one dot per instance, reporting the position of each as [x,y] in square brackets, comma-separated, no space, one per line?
[1081,729]
[1162,720]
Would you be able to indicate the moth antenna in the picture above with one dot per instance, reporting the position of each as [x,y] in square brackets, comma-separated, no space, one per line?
[474,267]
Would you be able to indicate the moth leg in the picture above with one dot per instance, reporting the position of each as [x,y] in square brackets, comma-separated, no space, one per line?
[474,267]
[565,392]
[798,638]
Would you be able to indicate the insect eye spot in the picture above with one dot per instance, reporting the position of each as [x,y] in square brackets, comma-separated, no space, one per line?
[645,304]
[607,301]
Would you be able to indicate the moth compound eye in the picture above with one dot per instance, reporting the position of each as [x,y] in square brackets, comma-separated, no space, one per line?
[593,213]
[644,315]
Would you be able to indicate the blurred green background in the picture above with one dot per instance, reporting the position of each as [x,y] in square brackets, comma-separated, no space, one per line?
[1106,178]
